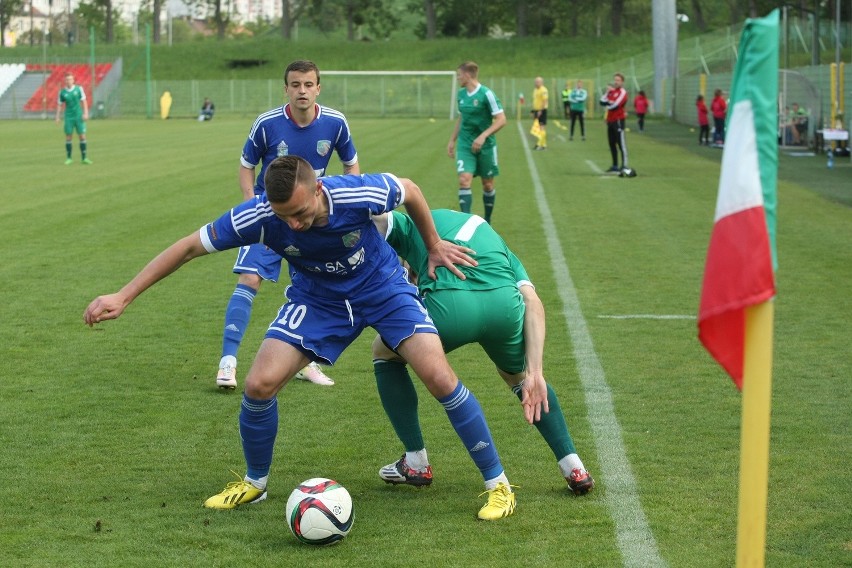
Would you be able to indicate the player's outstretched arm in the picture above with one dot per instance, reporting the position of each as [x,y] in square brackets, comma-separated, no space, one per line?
[441,253]
[534,391]
[112,305]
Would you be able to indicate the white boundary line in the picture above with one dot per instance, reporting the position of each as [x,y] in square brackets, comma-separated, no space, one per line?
[648,317]
[594,167]
[635,540]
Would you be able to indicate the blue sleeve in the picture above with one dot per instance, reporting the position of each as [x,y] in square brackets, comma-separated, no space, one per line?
[242,225]
[345,147]
[254,148]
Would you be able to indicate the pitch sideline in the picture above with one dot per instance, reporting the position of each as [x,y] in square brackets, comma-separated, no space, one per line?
[635,540]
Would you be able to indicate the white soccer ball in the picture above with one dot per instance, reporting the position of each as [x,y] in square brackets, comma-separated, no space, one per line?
[319,511]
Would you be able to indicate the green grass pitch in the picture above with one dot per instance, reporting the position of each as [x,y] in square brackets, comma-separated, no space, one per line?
[113,437]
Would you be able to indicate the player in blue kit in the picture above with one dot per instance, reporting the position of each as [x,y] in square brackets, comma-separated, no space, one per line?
[299,128]
[345,277]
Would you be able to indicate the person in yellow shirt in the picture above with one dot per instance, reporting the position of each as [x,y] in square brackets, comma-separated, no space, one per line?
[539,110]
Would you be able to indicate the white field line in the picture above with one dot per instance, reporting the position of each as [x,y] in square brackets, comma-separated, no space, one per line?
[635,540]
[594,167]
[648,316]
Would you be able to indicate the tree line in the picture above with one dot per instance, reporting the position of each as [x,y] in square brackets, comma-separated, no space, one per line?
[381,19]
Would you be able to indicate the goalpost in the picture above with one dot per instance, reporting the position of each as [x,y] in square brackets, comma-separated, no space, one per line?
[389,93]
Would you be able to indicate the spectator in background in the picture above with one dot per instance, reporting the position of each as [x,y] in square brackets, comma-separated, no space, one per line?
[566,99]
[76,114]
[577,98]
[703,121]
[719,108]
[799,120]
[640,105]
[539,111]
[207,110]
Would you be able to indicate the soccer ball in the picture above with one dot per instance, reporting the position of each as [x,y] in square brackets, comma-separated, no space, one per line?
[319,511]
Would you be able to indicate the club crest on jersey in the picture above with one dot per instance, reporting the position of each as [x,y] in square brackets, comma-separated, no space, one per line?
[351,239]
[292,251]
[323,147]
[475,102]
[283,149]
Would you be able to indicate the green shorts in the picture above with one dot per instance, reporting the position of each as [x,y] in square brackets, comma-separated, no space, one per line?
[483,164]
[75,123]
[492,318]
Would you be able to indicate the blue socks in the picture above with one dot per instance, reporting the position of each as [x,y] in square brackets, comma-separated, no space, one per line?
[258,428]
[237,317]
[469,423]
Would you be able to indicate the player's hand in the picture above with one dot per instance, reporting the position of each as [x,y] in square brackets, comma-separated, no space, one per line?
[477,145]
[447,254]
[534,397]
[104,308]
[451,149]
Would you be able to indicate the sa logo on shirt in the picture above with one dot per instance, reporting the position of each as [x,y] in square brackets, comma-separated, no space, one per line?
[323,147]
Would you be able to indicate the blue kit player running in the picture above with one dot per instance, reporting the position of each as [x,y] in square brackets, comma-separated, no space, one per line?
[344,278]
[300,128]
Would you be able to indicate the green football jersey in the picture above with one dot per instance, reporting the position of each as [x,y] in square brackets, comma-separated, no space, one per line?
[477,110]
[72,98]
[498,266]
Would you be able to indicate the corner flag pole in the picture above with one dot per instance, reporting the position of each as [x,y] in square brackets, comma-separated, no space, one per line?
[754,437]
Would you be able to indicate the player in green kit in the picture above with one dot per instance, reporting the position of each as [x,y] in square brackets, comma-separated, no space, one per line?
[480,117]
[76,114]
[495,306]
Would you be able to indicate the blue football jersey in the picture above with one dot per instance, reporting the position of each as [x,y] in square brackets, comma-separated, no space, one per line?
[274,134]
[345,259]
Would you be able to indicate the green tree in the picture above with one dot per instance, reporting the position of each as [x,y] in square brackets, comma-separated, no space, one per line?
[98,14]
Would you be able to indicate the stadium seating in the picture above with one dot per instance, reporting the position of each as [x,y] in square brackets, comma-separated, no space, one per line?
[45,97]
[9,73]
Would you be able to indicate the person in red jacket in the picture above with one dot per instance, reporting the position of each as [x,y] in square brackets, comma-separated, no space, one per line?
[703,122]
[640,105]
[615,99]
[719,108]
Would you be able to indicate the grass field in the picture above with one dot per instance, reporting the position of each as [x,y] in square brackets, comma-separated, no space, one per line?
[114,436]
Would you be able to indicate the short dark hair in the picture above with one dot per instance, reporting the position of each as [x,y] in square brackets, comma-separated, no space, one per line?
[282,175]
[621,75]
[302,66]
[470,68]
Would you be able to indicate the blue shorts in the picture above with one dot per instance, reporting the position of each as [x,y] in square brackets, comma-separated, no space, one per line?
[258,259]
[322,328]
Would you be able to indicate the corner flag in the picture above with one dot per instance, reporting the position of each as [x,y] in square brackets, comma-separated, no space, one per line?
[741,257]
[735,315]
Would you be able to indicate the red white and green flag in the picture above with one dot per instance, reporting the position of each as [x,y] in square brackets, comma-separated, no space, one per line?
[741,259]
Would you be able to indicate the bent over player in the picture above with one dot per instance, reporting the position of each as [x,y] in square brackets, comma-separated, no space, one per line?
[495,306]
[345,277]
